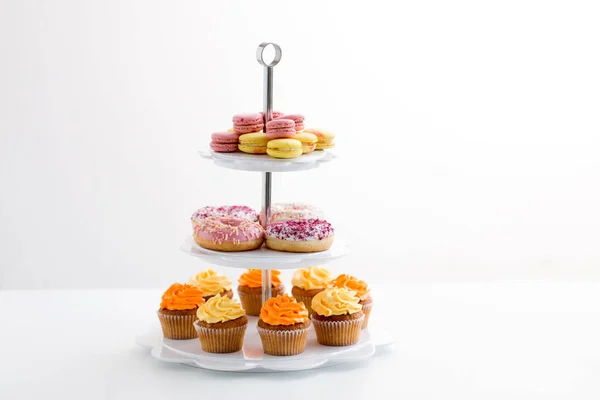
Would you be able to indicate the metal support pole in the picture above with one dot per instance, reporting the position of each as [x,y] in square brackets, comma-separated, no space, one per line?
[266,206]
[267,176]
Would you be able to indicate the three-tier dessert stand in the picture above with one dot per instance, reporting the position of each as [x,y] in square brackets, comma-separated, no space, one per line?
[251,358]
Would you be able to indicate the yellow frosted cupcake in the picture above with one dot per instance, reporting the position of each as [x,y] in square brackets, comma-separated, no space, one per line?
[221,325]
[362,291]
[337,317]
[250,289]
[283,326]
[211,283]
[307,282]
[177,311]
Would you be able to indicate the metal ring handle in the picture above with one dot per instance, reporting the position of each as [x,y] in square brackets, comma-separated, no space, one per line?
[260,50]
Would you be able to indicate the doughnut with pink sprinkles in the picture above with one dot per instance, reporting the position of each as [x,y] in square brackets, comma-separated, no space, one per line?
[225,211]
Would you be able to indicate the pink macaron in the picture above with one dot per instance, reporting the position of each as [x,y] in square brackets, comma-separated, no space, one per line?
[247,119]
[280,128]
[246,123]
[276,114]
[297,118]
[241,129]
[224,142]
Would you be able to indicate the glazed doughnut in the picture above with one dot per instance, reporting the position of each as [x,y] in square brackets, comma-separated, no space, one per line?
[243,212]
[228,234]
[292,211]
[300,236]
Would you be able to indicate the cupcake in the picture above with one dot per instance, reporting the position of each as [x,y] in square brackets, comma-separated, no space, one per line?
[308,282]
[250,289]
[221,325]
[337,317]
[211,283]
[177,312]
[362,291]
[283,326]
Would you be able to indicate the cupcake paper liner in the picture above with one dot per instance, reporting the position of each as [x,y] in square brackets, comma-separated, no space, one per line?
[226,340]
[338,333]
[178,327]
[366,309]
[251,303]
[307,300]
[283,343]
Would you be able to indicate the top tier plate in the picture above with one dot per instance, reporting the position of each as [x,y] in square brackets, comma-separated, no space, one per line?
[264,163]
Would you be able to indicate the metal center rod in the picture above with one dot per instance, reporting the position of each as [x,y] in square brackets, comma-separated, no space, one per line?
[268,94]
[267,176]
[266,206]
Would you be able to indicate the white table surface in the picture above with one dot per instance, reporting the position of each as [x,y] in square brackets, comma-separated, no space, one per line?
[521,340]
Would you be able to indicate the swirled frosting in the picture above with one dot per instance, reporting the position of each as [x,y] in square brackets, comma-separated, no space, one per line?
[220,309]
[253,278]
[351,283]
[181,297]
[283,310]
[335,301]
[311,278]
[302,229]
[209,282]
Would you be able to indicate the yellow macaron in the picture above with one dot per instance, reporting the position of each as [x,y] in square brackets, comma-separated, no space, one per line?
[308,141]
[284,148]
[253,143]
[326,138]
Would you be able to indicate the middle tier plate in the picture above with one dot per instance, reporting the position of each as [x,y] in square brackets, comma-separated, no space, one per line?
[266,258]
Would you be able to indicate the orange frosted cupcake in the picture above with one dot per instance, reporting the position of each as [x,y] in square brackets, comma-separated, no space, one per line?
[283,326]
[221,325]
[211,283]
[307,282]
[250,289]
[362,291]
[337,317]
[177,311]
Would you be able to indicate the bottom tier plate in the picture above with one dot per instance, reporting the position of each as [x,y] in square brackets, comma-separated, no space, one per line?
[252,358]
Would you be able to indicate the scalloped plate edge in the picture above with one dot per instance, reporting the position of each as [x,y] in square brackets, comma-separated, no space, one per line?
[153,342]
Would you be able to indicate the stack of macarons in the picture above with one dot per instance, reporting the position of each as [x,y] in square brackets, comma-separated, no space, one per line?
[284,136]
[281,132]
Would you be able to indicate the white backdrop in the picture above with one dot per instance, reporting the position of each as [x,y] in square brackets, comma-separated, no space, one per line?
[468,134]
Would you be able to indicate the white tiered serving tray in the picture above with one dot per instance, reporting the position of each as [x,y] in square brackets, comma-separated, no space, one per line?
[266,257]
[266,163]
[252,359]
